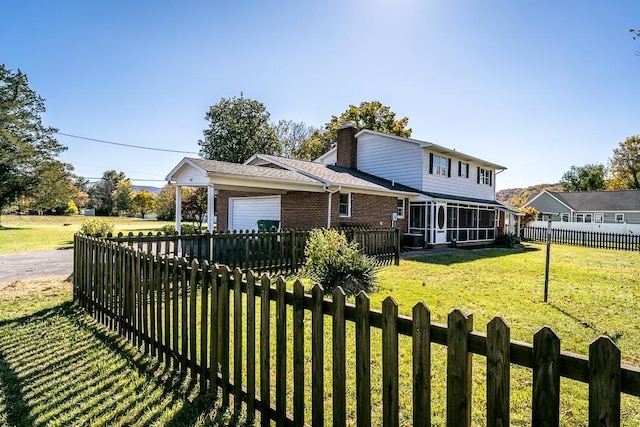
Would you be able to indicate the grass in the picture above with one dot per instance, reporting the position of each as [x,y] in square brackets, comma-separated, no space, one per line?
[592,292]
[58,367]
[28,233]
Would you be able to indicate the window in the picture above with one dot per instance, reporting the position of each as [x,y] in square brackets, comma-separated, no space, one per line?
[580,218]
[564,217]
[439,165]
[485,176]
[345,204]
[619,217]
[587,217]
[400,208]
[463,169]
[598,217]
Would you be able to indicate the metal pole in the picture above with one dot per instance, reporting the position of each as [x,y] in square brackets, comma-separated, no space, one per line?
[546,269]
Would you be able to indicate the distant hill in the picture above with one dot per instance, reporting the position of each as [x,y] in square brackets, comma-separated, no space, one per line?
[150,189]
[519,196]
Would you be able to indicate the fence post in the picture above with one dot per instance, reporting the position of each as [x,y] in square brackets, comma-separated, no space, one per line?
[604,383]
[498,373]
[459,363]
[237,340]
[298,353]
[397,243]
[265,373]
[421,365]
[546,378]
[339,359]
[281,352]
[363,361]
[390,393]
[317,357]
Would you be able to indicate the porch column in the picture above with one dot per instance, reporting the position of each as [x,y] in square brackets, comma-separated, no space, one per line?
[519,231]
[211,194]
[511,218]
[179,209]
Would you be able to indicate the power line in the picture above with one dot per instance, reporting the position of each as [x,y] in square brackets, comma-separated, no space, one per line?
[130,179]
[125,145]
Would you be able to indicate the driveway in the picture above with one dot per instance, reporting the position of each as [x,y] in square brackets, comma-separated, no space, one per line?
[36,265]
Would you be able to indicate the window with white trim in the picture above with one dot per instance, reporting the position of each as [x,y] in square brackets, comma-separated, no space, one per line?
[564,217]
[400,208]
[440,165]
[599,218]
[587,217]
[463,169]
[344,206]
[619,217]
[485,176]
[580,218]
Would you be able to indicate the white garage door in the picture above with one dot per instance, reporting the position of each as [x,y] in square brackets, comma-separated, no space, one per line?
[244,212]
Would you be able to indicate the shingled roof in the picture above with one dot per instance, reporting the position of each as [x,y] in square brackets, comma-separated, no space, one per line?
[593,201]
[239,169]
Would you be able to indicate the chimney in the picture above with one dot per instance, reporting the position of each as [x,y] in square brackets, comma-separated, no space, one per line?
[347,152]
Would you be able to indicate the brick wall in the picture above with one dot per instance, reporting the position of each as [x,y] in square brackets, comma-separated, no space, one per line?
[347,148]
[304,210]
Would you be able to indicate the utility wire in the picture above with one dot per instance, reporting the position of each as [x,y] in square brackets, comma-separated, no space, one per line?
[126,145]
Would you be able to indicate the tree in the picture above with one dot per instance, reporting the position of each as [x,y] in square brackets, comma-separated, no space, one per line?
[585,178]
[166,204]
[55,188]
[291,134]
[530,214]
[122,196]
[194,204]
[25,143]
[144,202]
[238,128]
[368,115]
[101,194]
[625,164]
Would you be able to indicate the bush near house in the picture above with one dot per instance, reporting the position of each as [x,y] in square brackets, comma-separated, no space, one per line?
[333,261]
[97,226]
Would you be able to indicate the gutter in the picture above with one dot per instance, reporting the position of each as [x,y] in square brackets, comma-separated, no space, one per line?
[330,193]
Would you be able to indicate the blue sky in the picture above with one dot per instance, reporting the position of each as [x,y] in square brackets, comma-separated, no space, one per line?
[537,86]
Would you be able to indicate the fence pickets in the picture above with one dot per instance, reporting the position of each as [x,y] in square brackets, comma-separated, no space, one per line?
[264,251]
[589,239]
[164,304]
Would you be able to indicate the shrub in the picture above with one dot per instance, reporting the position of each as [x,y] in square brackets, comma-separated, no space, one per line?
[71,209]
[168,229]
[96,227]
[333,261]
[505,240]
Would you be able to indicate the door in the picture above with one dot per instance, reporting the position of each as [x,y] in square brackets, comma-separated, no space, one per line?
[244,212]
[441,223]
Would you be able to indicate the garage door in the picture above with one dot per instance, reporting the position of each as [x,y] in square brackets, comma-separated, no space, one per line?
[244,212]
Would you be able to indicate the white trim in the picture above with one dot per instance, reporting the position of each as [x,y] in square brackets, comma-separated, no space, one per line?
[553,197]
[404,207]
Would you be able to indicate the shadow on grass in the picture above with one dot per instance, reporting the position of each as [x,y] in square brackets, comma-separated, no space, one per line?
[65,245]
[60,362]
[462,255]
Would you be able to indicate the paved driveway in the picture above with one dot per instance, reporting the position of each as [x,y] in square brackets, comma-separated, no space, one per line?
[36,265]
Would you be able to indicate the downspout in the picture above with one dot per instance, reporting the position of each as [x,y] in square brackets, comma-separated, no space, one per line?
[331,193]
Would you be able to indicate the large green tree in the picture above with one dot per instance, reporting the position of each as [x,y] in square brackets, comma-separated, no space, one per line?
[144,202]
[625,165]
[25,142]
[238,128]
[368,115]
[585,178]
[101,194]
[55,188]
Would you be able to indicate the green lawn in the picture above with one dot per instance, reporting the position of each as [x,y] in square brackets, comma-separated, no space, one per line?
[591,292]
[27,233]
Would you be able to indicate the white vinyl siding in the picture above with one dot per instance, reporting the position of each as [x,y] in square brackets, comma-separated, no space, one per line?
[391,159]
[457,185]
[244,212]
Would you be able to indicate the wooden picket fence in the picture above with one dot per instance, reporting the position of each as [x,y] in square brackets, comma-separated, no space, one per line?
[589,239]
[264,251]
[187,313]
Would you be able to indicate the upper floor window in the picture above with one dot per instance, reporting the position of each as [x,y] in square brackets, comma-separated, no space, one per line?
[345,204]
[400,208]
[485,176]
[439,165]
[463,169]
